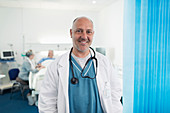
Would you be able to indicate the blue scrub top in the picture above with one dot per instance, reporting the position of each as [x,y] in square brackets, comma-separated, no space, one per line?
[84,96]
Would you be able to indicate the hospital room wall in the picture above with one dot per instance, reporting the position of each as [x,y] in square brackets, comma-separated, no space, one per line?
[110,31]
[109,34]
[40,26]
[52,26]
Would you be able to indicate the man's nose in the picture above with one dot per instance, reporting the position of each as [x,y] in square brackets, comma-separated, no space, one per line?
[84,35]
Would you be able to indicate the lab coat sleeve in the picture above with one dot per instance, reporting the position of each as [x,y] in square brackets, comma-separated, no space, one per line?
[116,90]
[48,92]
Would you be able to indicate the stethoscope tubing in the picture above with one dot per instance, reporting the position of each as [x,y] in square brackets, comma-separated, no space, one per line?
[74,80]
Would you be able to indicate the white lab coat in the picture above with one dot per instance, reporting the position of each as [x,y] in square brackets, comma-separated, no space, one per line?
[53,97]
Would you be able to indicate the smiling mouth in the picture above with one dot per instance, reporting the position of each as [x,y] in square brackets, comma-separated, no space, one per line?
[83,42]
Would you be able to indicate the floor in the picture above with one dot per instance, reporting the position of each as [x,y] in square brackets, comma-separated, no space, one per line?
[16,104]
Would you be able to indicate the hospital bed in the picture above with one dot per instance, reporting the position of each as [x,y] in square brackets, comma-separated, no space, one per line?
[36,79]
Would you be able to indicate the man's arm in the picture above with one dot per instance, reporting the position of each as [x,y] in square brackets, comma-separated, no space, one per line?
[49,89]
[28,68]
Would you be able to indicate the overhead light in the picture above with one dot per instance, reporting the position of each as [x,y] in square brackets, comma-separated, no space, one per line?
[94,1]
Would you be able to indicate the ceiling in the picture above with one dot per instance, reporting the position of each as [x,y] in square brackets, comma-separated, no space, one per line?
[58,4]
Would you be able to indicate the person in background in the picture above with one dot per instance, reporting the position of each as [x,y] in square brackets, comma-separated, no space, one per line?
[50,57]
[27,67]
[82,80]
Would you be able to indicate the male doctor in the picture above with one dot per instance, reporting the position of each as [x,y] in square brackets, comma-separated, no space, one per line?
[82,80]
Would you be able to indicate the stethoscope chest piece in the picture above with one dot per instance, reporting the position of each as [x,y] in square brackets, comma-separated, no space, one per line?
[74,80]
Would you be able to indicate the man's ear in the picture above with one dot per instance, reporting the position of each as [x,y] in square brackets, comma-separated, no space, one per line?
[93,32]
[71,33]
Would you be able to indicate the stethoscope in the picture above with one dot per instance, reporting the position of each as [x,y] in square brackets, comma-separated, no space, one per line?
[75,80]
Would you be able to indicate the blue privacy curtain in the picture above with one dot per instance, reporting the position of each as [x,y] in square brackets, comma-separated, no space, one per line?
[147,55]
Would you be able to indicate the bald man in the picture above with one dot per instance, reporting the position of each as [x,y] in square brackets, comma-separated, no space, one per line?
[81,80]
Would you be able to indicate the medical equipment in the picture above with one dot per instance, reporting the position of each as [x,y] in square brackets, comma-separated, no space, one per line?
[74,80]
[7,54]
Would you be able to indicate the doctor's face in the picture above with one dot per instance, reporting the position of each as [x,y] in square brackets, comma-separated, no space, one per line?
[82,34]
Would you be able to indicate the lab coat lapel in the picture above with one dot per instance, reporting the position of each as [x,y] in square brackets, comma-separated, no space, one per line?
[64,76]
[100,84]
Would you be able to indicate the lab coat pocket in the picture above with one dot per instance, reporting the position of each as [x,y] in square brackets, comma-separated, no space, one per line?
[107,91]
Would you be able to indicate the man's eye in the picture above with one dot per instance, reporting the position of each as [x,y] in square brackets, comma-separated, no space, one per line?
[78,31]
[89,32]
